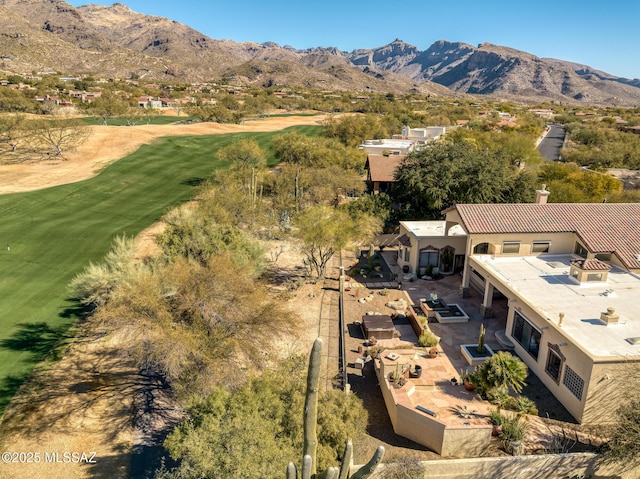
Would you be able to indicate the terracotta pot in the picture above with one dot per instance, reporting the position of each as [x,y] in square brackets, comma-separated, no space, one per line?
[433,353]
[468,386]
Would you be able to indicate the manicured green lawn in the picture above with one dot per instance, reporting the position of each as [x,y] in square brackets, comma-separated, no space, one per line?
[48,236]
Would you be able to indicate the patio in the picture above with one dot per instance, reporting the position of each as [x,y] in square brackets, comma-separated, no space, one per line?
[439,393]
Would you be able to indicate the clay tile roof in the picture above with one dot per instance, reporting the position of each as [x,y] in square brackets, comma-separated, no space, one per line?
[591,264]
[602,227]
[382,168]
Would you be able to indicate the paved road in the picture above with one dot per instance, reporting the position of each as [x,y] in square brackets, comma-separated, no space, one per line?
[550,146]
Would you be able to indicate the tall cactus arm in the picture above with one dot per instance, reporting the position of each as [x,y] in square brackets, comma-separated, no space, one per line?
[292,472]
[306,467]
[311,404]
[346,460]
[332,473]
[369,468]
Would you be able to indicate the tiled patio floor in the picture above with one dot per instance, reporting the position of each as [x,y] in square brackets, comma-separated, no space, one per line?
[452,335]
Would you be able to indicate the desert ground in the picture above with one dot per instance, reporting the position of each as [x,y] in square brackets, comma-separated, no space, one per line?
[85,401]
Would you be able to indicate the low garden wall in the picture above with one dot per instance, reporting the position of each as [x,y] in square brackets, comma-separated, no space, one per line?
[416,325]
[547,466]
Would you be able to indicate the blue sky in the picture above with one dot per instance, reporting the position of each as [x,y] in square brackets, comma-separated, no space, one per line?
[599,34]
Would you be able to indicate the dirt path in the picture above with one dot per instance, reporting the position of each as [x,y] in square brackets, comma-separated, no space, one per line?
[107,144]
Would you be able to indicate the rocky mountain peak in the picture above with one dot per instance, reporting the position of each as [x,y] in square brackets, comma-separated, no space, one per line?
[116,41]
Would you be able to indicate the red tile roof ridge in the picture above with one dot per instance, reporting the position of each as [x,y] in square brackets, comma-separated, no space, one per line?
[603,227]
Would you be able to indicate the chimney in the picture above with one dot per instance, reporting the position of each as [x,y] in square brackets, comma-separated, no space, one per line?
[542,195]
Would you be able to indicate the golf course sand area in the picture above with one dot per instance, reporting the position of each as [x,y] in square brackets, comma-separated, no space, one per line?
[107,144]
[84,401]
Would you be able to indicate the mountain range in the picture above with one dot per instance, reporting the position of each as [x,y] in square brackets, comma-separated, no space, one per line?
[116,42]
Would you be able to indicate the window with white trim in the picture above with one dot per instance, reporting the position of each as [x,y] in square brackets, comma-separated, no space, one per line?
[573,382]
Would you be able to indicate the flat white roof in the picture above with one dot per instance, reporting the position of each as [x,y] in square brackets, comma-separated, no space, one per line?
[388,143]
[545,284]
[425,229]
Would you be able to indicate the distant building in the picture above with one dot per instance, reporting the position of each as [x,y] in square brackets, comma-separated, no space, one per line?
[381,172]
[388,146]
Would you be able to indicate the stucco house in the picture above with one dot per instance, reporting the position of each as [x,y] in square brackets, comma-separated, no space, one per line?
[571,277]
[425,245]
[388,146]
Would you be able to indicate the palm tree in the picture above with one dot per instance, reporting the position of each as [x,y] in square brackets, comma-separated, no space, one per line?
[503,370]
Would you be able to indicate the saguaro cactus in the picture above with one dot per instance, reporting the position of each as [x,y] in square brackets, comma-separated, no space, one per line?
[310,437]
[311,403]
[481,340]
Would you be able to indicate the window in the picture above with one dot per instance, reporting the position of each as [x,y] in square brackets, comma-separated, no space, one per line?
[407,254]
[540,247]
[604,256]
[580,250]
[554,364]
[526,334]
[481,248]
[428,258]
[573,382]
[511,247]
[594,277]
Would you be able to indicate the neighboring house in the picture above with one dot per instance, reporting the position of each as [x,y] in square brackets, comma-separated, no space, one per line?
[388,146]
[381,172]
[410,139]
[84,96]
[571,276]
[149,102]
[56,100]
[425,245]
[542,113]
[423,135]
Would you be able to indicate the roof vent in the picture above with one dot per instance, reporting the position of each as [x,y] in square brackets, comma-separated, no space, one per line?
[635,341]
[610,317]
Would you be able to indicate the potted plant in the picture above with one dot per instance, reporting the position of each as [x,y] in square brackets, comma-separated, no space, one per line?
[514,429]
[469,380]
[496,419]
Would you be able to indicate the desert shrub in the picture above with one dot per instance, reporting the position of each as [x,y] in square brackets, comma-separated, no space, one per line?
[496,418]
[499,396]
[522,404]
[428,340]
[404,467]
[255,430]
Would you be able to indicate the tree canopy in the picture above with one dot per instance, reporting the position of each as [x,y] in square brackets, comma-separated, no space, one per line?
[434,178]
[324,231]
[253,431]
